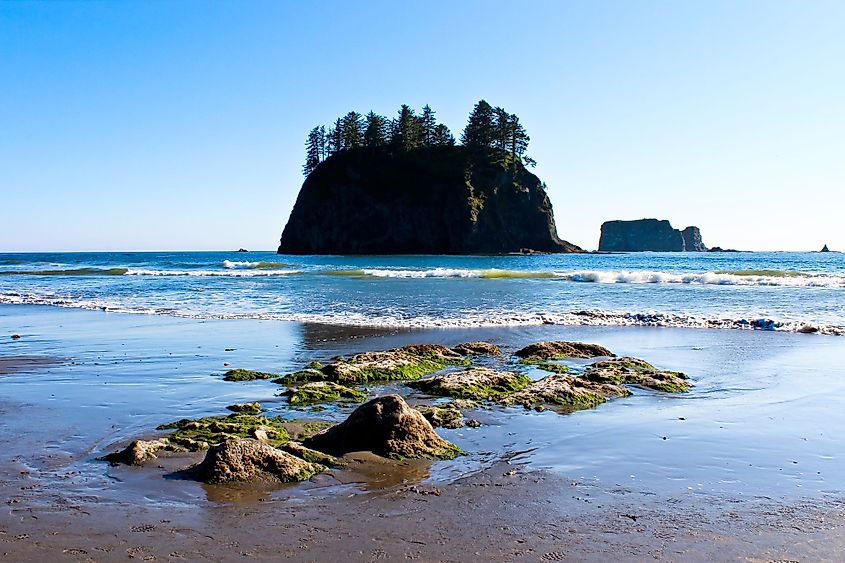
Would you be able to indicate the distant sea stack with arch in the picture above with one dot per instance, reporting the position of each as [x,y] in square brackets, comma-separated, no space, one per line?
[375,185]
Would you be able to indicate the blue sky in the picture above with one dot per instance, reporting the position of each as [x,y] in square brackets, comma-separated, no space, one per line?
[180,124]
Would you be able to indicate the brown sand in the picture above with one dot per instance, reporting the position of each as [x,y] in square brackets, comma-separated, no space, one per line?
[501,513]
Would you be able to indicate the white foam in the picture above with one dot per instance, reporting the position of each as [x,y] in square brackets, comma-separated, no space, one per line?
[211,273]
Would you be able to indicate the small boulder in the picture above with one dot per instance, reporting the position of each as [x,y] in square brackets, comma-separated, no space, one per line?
[442,416]
[138,452]
[477,349]
[309,455]
[239,459]
[388,427]
[472,383]
[557,350]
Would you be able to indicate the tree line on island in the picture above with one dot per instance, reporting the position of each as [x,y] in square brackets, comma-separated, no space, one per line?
[487,128]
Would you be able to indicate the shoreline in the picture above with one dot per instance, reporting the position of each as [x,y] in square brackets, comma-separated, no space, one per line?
[528,473]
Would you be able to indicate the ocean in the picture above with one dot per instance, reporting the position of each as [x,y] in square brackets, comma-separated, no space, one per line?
[781,291]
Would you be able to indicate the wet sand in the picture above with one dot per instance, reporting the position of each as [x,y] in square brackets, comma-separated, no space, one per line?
[747,466]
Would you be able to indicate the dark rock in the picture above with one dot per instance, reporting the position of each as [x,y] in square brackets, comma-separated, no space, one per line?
[648,235]
[16,337]
[388,427]
[243,250]
[438,200]
[824,249]
[720,249]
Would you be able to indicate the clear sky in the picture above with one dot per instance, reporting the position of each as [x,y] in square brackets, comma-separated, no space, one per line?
[180,124]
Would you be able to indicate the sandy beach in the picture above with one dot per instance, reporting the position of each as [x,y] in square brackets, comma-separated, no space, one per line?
[746,466]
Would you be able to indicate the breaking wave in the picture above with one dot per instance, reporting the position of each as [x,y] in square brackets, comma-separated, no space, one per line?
[767,278]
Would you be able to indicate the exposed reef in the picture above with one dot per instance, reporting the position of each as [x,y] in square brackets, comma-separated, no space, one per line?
[566,391]
[247,375]
[634,371]
[436,200]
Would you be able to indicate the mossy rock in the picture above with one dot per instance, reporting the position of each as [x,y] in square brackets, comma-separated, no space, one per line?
[244,460]
[323,392]
[246,408]
[473,383]
[399,364]
[247,375]
[633,371]
[445,416]
[477,349]
[556,350]
[202,433]
[566,392]
[552,367]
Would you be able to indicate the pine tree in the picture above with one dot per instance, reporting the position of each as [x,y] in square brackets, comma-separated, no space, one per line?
[312,151]
[353,130]
[442,136]
[502,128]
[427,125]
[406,129]
[480,129]
[335,137]
[518,139]
[375,133]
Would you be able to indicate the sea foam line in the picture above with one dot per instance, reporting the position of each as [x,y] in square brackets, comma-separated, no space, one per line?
[480,320]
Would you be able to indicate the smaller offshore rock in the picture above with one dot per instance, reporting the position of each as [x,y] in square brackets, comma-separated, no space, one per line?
[535,353]
[388,427]
[244,459]
[477,349]
[570,393]
[472,383]
[633,371]
[246,408]
[138,452]
[824,249]
[323,392]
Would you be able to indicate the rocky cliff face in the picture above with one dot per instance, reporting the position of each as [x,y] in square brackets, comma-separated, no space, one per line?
[441,200]
[649,235]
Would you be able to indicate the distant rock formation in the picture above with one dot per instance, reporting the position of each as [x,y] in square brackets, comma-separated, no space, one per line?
[437,200]
[649,235]
[824,249]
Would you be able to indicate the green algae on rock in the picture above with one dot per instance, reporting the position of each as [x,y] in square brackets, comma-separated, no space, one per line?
[202,433]
[552,367]
[472,383]
[540,351]
[399,364]
[247,375]
[633,371]
[565,391]
[246,408]
[323,392]
[239,459]
[445,416]
[388,427]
